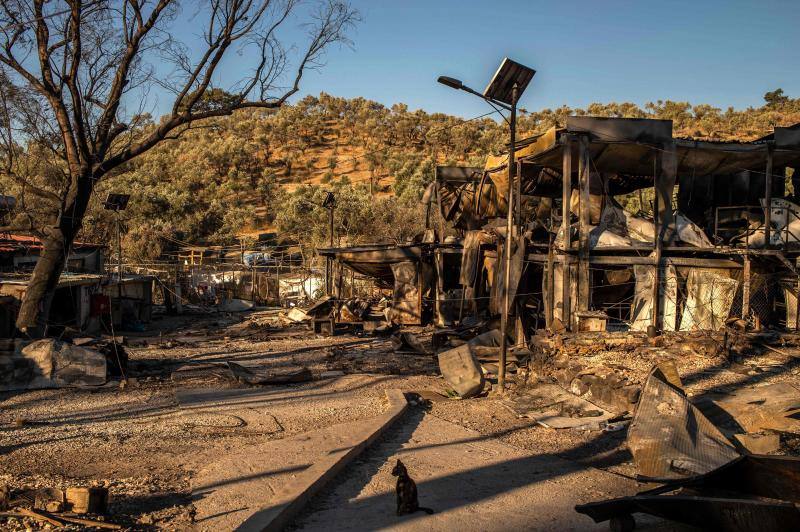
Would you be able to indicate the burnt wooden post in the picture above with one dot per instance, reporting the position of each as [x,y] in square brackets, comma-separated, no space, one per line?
[768,196]
[746,277]
[666,170]
[584,211]
[549,283]
[566,195]
[796,323]
[657,219]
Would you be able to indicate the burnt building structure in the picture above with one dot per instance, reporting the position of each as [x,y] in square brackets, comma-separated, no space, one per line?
[716,238]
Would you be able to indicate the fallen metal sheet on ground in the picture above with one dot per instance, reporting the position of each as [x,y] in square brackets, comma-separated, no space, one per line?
[200,370]
[554,407]
[670,438]
[297,315]
[266,375]
[749,493]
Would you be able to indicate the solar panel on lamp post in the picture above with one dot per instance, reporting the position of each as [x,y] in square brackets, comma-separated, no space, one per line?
[504,90]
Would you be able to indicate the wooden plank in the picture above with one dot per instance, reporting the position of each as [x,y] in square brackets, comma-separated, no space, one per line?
[550,283]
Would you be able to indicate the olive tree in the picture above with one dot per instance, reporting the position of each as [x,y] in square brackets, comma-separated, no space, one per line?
[79,77]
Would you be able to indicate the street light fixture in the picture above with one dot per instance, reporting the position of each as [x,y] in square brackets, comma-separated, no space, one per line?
[117,203]
[328,203]
[508,83]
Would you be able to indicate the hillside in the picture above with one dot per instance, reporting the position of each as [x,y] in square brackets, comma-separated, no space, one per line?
[255,171]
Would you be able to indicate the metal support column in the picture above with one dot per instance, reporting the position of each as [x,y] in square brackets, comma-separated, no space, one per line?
[501,373]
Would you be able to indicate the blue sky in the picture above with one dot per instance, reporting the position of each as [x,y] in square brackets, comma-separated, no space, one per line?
[723,52]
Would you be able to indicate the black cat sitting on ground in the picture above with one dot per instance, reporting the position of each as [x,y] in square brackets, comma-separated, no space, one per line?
[407,501]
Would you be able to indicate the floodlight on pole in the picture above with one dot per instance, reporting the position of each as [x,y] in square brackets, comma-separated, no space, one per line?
[117,203]
[504,90]
[456,84]
[328,203]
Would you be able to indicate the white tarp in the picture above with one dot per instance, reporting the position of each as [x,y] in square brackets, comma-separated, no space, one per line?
[708,302]
[689,233]
[618,227]
[642,309]
[783,213]
[301,287]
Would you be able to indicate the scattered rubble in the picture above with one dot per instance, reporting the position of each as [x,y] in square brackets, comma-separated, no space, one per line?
[748,493]
[551,406]
[405,342]
[56,507]
[51,363]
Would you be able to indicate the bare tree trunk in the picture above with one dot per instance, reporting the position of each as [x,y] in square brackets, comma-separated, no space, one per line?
[35,308]
[56,246]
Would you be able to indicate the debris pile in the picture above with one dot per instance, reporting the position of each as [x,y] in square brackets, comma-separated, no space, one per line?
[716,474]
[83,506]
[50,363]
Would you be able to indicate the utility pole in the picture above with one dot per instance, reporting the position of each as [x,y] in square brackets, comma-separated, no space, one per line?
[118,203]
[119,257]
[329,203]
[501,373]
[503,92]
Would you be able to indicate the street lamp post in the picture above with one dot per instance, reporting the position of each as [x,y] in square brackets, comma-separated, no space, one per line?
[501,374]
[329,203]
[503,91]
[117,203]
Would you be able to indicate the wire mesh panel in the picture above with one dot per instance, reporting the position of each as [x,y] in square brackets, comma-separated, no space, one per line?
[773,300]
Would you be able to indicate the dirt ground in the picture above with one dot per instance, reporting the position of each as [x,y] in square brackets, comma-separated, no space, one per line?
[136,440]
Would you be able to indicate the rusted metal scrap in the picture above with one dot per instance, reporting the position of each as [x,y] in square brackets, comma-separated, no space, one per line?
[260,375]
[749,493]
[670,438]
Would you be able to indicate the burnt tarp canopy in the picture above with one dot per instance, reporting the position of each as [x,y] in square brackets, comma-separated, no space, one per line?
[624,149]
[621,148]
[453,192]
[376,260]
[627,152]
